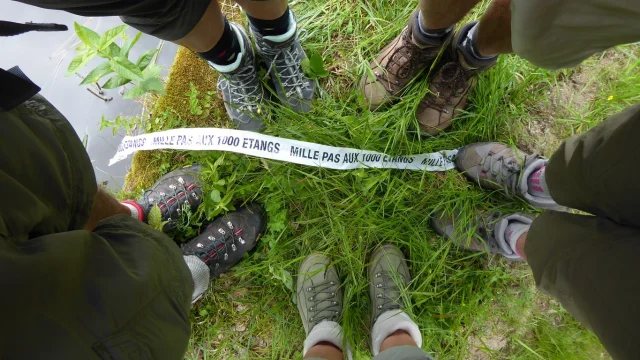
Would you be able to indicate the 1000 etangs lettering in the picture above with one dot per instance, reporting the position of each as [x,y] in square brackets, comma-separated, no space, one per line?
[212,140]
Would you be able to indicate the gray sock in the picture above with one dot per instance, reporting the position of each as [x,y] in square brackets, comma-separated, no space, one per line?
[432,33]
[512,233]
[199,274]
[471,43]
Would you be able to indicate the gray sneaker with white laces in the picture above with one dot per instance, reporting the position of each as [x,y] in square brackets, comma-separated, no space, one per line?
[283,55]
[389,277]
[318,290]
[242,90]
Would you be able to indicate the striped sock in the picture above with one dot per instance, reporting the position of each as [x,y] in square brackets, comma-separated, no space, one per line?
[537,184]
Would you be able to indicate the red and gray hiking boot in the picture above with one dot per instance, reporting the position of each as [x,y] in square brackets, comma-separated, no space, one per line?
[487,232]
[499,166]
[451,85]
[174,193]
[223,243]
[398,63]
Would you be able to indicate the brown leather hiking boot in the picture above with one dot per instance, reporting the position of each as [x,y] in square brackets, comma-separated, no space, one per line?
[399,63]
[451,85]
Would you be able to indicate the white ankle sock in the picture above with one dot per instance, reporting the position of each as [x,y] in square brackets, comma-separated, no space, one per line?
[512,233]
[325,331]
[199,274]
[390,322]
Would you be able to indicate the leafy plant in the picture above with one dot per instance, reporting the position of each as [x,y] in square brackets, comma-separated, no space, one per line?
[313,66]
[120,122]
[155,218]
[144,77]
[199,106]
[134,125]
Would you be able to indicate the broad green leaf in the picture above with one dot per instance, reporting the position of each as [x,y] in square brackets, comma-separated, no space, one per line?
[152,84]
[317,65]
[134,92]
[110,36]
[215,196]
[87,36]
[145,59]
[152,71]
[115,81]
[79,61]
[126,68]
[97,73]
[128,44]
[306,66]
[113,50]
[155,218]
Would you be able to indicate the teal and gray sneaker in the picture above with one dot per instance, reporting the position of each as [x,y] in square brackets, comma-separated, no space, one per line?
[389,277]
[319,293]
[487,233]
[284,55]
[242,90]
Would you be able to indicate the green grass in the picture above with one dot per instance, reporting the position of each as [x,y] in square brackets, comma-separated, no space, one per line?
[468,306]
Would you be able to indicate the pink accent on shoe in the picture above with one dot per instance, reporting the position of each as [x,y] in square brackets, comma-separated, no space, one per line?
[537,188]
[536,180]
[137,206]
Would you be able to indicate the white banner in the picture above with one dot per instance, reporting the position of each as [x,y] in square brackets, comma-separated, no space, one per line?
[275,148]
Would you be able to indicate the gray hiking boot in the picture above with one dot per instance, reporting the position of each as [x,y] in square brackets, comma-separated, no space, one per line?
[498,166]
[319,292]
[486,233]
[283,55]
[242,91]
[388,276]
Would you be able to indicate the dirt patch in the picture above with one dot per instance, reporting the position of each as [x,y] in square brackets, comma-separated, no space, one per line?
[491,338]
[570,97]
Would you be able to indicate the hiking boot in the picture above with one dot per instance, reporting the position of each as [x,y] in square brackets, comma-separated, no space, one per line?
[451,85]
[177,191]
[241,89]
[486,233]
[498,166]
[319,292]
[284,55]
[388,276]
[227,238]
[399,63]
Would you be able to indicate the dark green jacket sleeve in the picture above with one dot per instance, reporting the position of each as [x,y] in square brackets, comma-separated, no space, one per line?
[121,291]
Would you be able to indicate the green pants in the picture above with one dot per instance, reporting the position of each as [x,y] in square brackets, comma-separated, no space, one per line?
[591,263]
[122,291]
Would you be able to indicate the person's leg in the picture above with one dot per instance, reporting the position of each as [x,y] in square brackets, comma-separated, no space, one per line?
[554,34]
[588,263]
[588,172]
[595,171]
[474,49]
[104,206]
[437,14]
